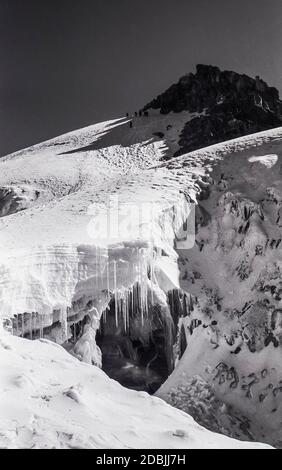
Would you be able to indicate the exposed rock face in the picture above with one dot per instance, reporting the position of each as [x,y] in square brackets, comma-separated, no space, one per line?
[231,105]
[16,198]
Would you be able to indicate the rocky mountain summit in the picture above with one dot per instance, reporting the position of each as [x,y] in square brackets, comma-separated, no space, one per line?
[227,105]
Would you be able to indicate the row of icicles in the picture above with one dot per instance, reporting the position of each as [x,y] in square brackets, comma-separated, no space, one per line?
[138,297]
[127,300]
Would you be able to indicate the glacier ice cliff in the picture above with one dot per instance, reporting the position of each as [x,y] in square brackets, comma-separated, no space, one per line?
[202,314]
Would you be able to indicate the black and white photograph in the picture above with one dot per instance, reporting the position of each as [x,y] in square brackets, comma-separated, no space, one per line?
[140,227]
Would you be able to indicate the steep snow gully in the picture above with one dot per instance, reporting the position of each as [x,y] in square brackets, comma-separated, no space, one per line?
[164,272]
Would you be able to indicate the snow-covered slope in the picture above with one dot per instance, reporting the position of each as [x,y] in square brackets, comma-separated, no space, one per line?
[212,308]
[53,256]
[51,400]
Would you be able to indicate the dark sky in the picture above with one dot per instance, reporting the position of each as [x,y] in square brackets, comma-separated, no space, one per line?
[69,63]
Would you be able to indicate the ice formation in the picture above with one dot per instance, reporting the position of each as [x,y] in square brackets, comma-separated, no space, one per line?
[63,269]
[208,311]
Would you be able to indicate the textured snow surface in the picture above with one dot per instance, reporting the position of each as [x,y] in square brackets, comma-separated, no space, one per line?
[51,400]
[52,268]
[48,248]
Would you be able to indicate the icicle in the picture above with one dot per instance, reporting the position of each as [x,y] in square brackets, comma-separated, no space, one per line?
[152,275]
[122,310]
[115,292]
[34,324]
[17,325]
[153,254]
[30,325]
[96,277]
[104,318]
[117,308]
[22,325]
[125,310]
[140,286]
[146,292]
[132,300]
[41,334]
[64,324]
[100,269]
[108,280]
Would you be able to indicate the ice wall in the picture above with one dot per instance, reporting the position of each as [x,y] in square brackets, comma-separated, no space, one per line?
[47,289]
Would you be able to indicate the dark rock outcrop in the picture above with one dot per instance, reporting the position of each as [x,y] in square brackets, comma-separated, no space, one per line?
[231,105]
